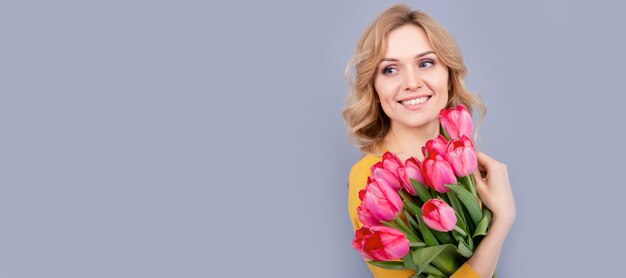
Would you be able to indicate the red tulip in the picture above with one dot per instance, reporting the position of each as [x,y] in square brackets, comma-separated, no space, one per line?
[462,156]
[457,121]
[438,215]
[412,170]
[437,172]
[380,243]
[439,145]
[382,201]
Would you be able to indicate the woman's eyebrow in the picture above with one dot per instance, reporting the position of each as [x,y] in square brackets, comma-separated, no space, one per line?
[416,56]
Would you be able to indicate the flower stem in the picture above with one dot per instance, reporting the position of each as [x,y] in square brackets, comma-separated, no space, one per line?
[404,196]
[460,231]
[399,225]
[472,186]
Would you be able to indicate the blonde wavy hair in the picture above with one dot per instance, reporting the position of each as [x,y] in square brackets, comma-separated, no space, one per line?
[365,118]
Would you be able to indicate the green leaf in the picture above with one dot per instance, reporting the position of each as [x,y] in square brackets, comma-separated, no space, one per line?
[433,192]
[414,226]
[421,190]
[483,225]
[464,250]
[458,210]
[457,236]
[444,197]
[444,257]
[408,261]
[433,271]
[427,234]
[417,244]
[401,227]
[388,264]
[449,260]
[390,225]
[412,207]
[470,202]
[443,237]
[461,213]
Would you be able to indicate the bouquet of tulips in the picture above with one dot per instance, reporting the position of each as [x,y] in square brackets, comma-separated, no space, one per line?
[425,215]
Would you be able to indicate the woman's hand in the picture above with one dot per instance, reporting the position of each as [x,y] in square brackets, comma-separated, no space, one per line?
[494,189]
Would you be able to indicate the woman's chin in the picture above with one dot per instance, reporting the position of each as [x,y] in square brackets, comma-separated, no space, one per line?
[421,123]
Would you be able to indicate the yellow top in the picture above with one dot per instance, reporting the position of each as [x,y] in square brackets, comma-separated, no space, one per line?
[357,181]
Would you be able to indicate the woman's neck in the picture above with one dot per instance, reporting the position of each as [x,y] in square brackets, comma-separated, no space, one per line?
[407,141]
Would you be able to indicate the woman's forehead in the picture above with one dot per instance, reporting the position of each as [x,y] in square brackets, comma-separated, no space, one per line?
[407,42]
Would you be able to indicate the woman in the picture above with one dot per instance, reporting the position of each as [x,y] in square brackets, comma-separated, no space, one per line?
[408,68]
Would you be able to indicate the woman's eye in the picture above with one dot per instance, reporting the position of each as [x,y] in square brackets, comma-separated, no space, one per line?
[388,71]
[426,64]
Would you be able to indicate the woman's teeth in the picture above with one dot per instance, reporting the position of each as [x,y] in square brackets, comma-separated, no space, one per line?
[415,100]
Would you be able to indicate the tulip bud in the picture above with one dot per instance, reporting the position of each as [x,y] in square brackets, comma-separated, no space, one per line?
[382,201]
[380,243]
[387,177]
[411,170]
[438,145]
[366,217]
[438,172]
[462,156]
[391,162]
[438,215]
[457,121]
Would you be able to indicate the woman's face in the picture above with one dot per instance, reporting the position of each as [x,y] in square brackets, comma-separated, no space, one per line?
[411,82]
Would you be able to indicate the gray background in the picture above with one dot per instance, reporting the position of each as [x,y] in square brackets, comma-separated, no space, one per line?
[198,139]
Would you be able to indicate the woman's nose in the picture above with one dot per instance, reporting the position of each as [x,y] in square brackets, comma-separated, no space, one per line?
[412,79]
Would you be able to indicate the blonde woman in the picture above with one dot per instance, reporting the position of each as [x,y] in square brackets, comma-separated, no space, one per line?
[408,68]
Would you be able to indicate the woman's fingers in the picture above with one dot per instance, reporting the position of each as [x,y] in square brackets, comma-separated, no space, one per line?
[485,161]
[482,168]
[480,181]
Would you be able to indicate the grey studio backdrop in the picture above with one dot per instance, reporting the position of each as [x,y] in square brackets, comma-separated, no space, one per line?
[205,139]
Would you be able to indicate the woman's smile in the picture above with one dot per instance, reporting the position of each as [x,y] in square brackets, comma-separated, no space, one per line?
[415,103]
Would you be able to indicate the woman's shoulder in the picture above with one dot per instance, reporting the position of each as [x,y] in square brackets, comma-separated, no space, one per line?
[357,181]
[361,169]
[365,163]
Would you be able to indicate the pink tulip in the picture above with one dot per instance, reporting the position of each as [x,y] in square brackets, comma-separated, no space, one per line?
[378,164]
[412,170]
[382,201]
[364,214]
[457,121]
[386,177]
[438,215]
[380,243]
[391,162]
[462,156]
[439,144]
[366,217]
[437,172]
